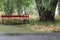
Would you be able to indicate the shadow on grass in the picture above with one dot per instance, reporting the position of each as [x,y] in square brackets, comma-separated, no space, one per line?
[37,22]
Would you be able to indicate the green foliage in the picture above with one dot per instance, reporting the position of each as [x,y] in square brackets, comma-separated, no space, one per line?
[59,6]
[8,6]
[1,5]
[11,5]
[23,4]
[45,5]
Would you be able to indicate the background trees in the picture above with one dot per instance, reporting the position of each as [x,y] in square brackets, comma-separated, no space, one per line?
[8,6]
[59,6]
[19,5]
[23,5]
[1,5]
[46,9]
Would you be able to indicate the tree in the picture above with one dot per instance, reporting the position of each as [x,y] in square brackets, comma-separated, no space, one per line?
[46,9]
[1,5]
[23,5]
[27,4]
[8,6]
[18,6]
[59,6]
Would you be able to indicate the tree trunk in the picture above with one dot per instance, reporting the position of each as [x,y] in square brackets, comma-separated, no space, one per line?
[59,7]
[46,15]
[8,7]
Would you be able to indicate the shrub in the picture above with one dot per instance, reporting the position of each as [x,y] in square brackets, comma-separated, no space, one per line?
[12,21]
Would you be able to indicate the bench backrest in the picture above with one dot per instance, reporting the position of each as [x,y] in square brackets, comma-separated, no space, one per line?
[6,16]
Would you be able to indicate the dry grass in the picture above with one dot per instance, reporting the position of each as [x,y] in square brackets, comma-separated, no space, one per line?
[40,26]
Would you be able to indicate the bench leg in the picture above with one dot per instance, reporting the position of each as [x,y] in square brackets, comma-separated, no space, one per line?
[2,20]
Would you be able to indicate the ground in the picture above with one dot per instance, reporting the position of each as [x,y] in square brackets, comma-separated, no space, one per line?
[44,26]
[34,25]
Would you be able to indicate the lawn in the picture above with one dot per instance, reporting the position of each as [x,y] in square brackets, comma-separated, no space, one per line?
[44,26]
[15,28]
[34,25]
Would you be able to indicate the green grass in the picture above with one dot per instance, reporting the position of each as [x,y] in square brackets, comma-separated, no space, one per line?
[11,28]
[34,25]
[16,28]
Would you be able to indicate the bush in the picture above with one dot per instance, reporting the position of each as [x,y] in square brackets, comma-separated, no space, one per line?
[12,21]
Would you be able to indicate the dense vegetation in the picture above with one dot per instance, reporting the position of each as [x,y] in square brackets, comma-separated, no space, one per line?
[10,6]
[46,8]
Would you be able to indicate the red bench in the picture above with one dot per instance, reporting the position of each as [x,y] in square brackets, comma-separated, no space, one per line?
[22,18]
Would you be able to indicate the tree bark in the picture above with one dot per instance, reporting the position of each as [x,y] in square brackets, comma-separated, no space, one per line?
[47,15]
[59,7]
